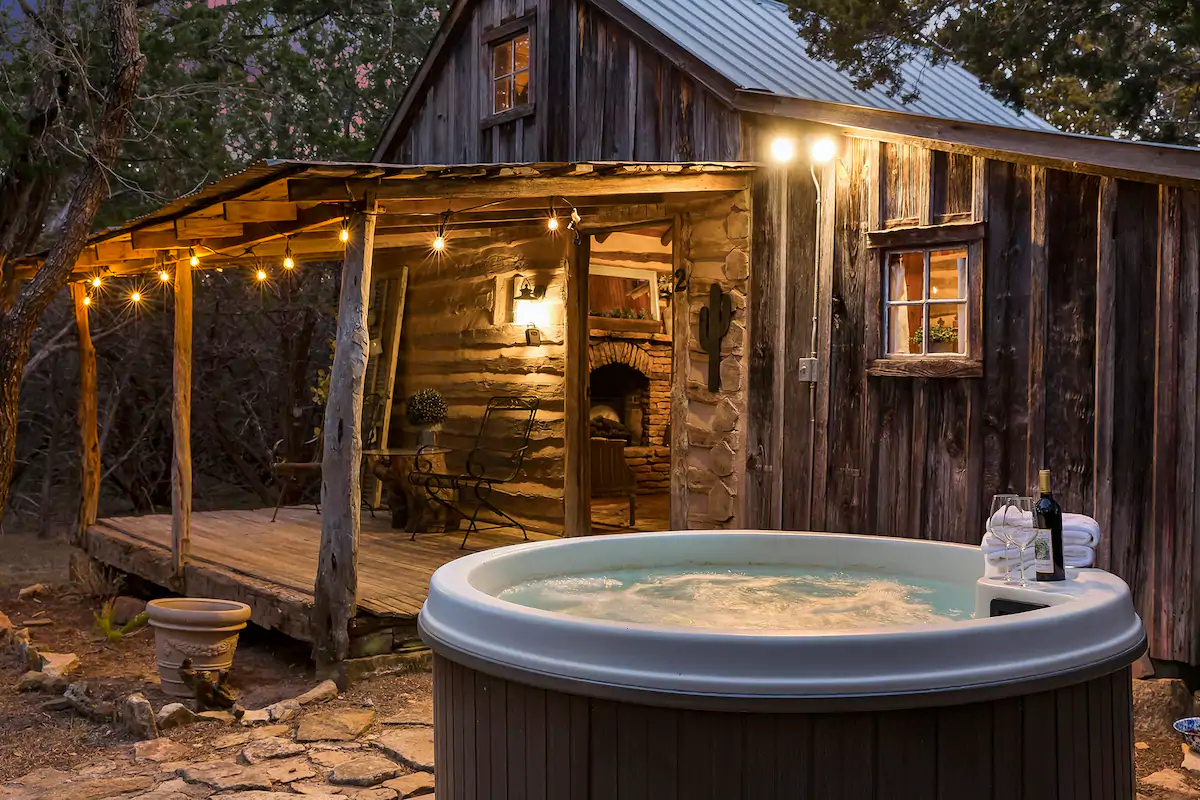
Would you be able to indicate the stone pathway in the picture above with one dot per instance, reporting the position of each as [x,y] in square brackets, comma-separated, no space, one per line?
[323,754]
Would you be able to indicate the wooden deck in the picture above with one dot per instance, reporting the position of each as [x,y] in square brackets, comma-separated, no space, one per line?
[242,555]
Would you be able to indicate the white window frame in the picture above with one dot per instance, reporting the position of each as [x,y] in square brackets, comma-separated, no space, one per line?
[964,300]
[648,275]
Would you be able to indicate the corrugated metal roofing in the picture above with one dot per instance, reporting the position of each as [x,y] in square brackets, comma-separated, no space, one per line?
[754,44]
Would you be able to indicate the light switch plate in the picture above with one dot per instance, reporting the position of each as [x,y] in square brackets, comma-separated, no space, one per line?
[808,370]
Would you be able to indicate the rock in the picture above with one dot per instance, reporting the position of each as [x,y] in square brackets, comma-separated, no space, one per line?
[31,682]
[287,770]
[413,785]
[242,737]
[412,747]
[337,725]
[101,788]
[58,704]
[366,770]
[256,716]
[1171,781]
[80,697]
[1158,703]
[261,795]
[125,608]
[59,665]
[159,750]
[137,717]
[378,793]
[226,776]
[325,690]
[270,747]
[33,591]
[314,789]
[174,789]
[331,758]
[411,716]
[175,715]
[223,717]
[25,650]
[1140,746]
[1191,760]
[36,623]
[283,710]
[6,628]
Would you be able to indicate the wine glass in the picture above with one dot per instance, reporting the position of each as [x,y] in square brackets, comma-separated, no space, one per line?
[997,527]
[1019,520]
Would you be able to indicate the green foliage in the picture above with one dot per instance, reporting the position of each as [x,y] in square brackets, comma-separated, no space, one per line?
[619,313]
[425,408]
[105,624]
[938,332]
[1122,68]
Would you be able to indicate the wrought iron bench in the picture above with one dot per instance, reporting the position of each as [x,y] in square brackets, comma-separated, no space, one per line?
[495,458]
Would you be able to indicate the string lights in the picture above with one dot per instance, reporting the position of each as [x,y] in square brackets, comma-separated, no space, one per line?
[288,261]
[87,300]
[96,282]
[261,275]
[195,259]
[135,296]
[344,233]
[164,276]
[439,241]
[552,222]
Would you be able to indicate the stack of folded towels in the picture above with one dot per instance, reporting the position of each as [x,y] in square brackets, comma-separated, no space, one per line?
[1081,535]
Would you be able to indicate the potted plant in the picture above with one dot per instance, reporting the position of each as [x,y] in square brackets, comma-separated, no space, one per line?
[942,338]
[425,412]
[197,628]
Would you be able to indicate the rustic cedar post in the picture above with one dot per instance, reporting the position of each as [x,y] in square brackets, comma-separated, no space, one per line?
[681,322]
[89,439]
[181,421]
[335,595]
[577,521]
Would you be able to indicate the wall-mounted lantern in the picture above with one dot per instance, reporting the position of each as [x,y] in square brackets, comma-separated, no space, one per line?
[530,310]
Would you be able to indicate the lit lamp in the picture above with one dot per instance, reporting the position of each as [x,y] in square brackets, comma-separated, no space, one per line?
[530,311]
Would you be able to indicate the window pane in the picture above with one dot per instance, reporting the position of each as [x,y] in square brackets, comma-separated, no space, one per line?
[906,277]
[502,55]
[521,52]
[521,88]
[503,95]
[947,274]
[904,333]
[618,297]
[947,328]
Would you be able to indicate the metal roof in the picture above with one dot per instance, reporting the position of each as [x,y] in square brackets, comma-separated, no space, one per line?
[754,44]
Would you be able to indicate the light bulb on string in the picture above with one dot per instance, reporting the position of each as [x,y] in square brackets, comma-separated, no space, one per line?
[552,220]
[288,261]
[135,297]
[344,233]
[260,276]
[164,276]
[195,259]
[96,282]
[87,301]
[439,241]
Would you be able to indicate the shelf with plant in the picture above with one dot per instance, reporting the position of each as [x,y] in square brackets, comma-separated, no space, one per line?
[943,338]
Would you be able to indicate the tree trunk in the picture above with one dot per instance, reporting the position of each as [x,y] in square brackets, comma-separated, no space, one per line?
[181,422]
[18,323]
[335,596]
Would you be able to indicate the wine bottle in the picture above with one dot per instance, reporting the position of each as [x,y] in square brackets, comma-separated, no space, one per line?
[1048,544]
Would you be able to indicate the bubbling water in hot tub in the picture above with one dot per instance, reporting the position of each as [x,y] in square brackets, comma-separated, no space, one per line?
[749,597]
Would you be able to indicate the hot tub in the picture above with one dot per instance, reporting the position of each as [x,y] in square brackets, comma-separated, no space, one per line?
[1022,693]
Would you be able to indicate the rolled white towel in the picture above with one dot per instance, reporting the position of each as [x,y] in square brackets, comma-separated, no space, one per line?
[1078,529]
[1004,558]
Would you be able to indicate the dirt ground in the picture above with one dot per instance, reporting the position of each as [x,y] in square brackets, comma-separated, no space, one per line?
[268,667]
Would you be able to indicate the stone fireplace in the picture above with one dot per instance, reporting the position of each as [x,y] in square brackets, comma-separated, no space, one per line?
[630,386]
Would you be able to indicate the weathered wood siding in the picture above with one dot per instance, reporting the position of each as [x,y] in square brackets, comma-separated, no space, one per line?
[598,92]
[459,338]
[1091,301]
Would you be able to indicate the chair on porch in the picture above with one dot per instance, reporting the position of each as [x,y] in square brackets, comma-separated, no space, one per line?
[304,475]
[611,474]
[495,458]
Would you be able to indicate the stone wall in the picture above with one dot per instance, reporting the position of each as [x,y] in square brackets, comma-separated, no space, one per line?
[715,236]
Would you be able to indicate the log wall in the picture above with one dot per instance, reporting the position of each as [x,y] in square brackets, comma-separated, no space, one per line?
[611,96]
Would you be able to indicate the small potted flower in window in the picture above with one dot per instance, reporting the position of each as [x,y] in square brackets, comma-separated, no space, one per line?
[943,338]
[425,411]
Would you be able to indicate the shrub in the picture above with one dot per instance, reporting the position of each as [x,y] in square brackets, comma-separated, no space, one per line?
[425,408]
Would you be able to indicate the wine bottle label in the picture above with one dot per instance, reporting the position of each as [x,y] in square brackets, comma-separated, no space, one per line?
[1043,552]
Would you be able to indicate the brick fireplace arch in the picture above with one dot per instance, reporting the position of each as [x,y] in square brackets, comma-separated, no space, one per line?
[610,352]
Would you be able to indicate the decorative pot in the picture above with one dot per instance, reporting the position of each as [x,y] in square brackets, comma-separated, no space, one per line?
[202,629]
[423,435]
[944,347]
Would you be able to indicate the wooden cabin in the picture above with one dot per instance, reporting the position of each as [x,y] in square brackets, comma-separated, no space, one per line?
[1073,263]
[952,297]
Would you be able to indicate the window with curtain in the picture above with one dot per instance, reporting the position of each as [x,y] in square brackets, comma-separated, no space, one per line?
[925,302]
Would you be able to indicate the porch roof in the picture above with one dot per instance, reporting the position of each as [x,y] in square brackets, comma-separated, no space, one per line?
[279,206]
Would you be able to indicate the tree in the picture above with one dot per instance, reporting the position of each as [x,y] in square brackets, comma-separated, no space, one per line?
[231,82]
[29,181]
[1118,68]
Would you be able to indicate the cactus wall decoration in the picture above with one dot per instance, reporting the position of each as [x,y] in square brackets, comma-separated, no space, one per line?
[714,324]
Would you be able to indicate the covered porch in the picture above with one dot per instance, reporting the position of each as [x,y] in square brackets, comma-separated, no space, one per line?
[433,264]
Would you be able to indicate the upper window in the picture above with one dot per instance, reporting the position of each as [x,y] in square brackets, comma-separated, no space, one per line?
[510,73]
[925,302]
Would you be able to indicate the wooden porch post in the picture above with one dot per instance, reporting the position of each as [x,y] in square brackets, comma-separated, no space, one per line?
[577,519]
[181,421]
[89,439]
[336,590]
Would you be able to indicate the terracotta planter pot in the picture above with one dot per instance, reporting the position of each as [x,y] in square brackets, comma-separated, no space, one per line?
[204,630]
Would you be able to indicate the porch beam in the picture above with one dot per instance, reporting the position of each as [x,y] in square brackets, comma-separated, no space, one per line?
[336,592]
[89,439]
[577,443]
[325,189]
[181,422]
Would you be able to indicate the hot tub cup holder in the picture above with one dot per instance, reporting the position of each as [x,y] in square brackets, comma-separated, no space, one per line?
[1189,727]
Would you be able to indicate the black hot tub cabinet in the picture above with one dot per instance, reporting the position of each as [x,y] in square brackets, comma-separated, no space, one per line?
[537,704]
